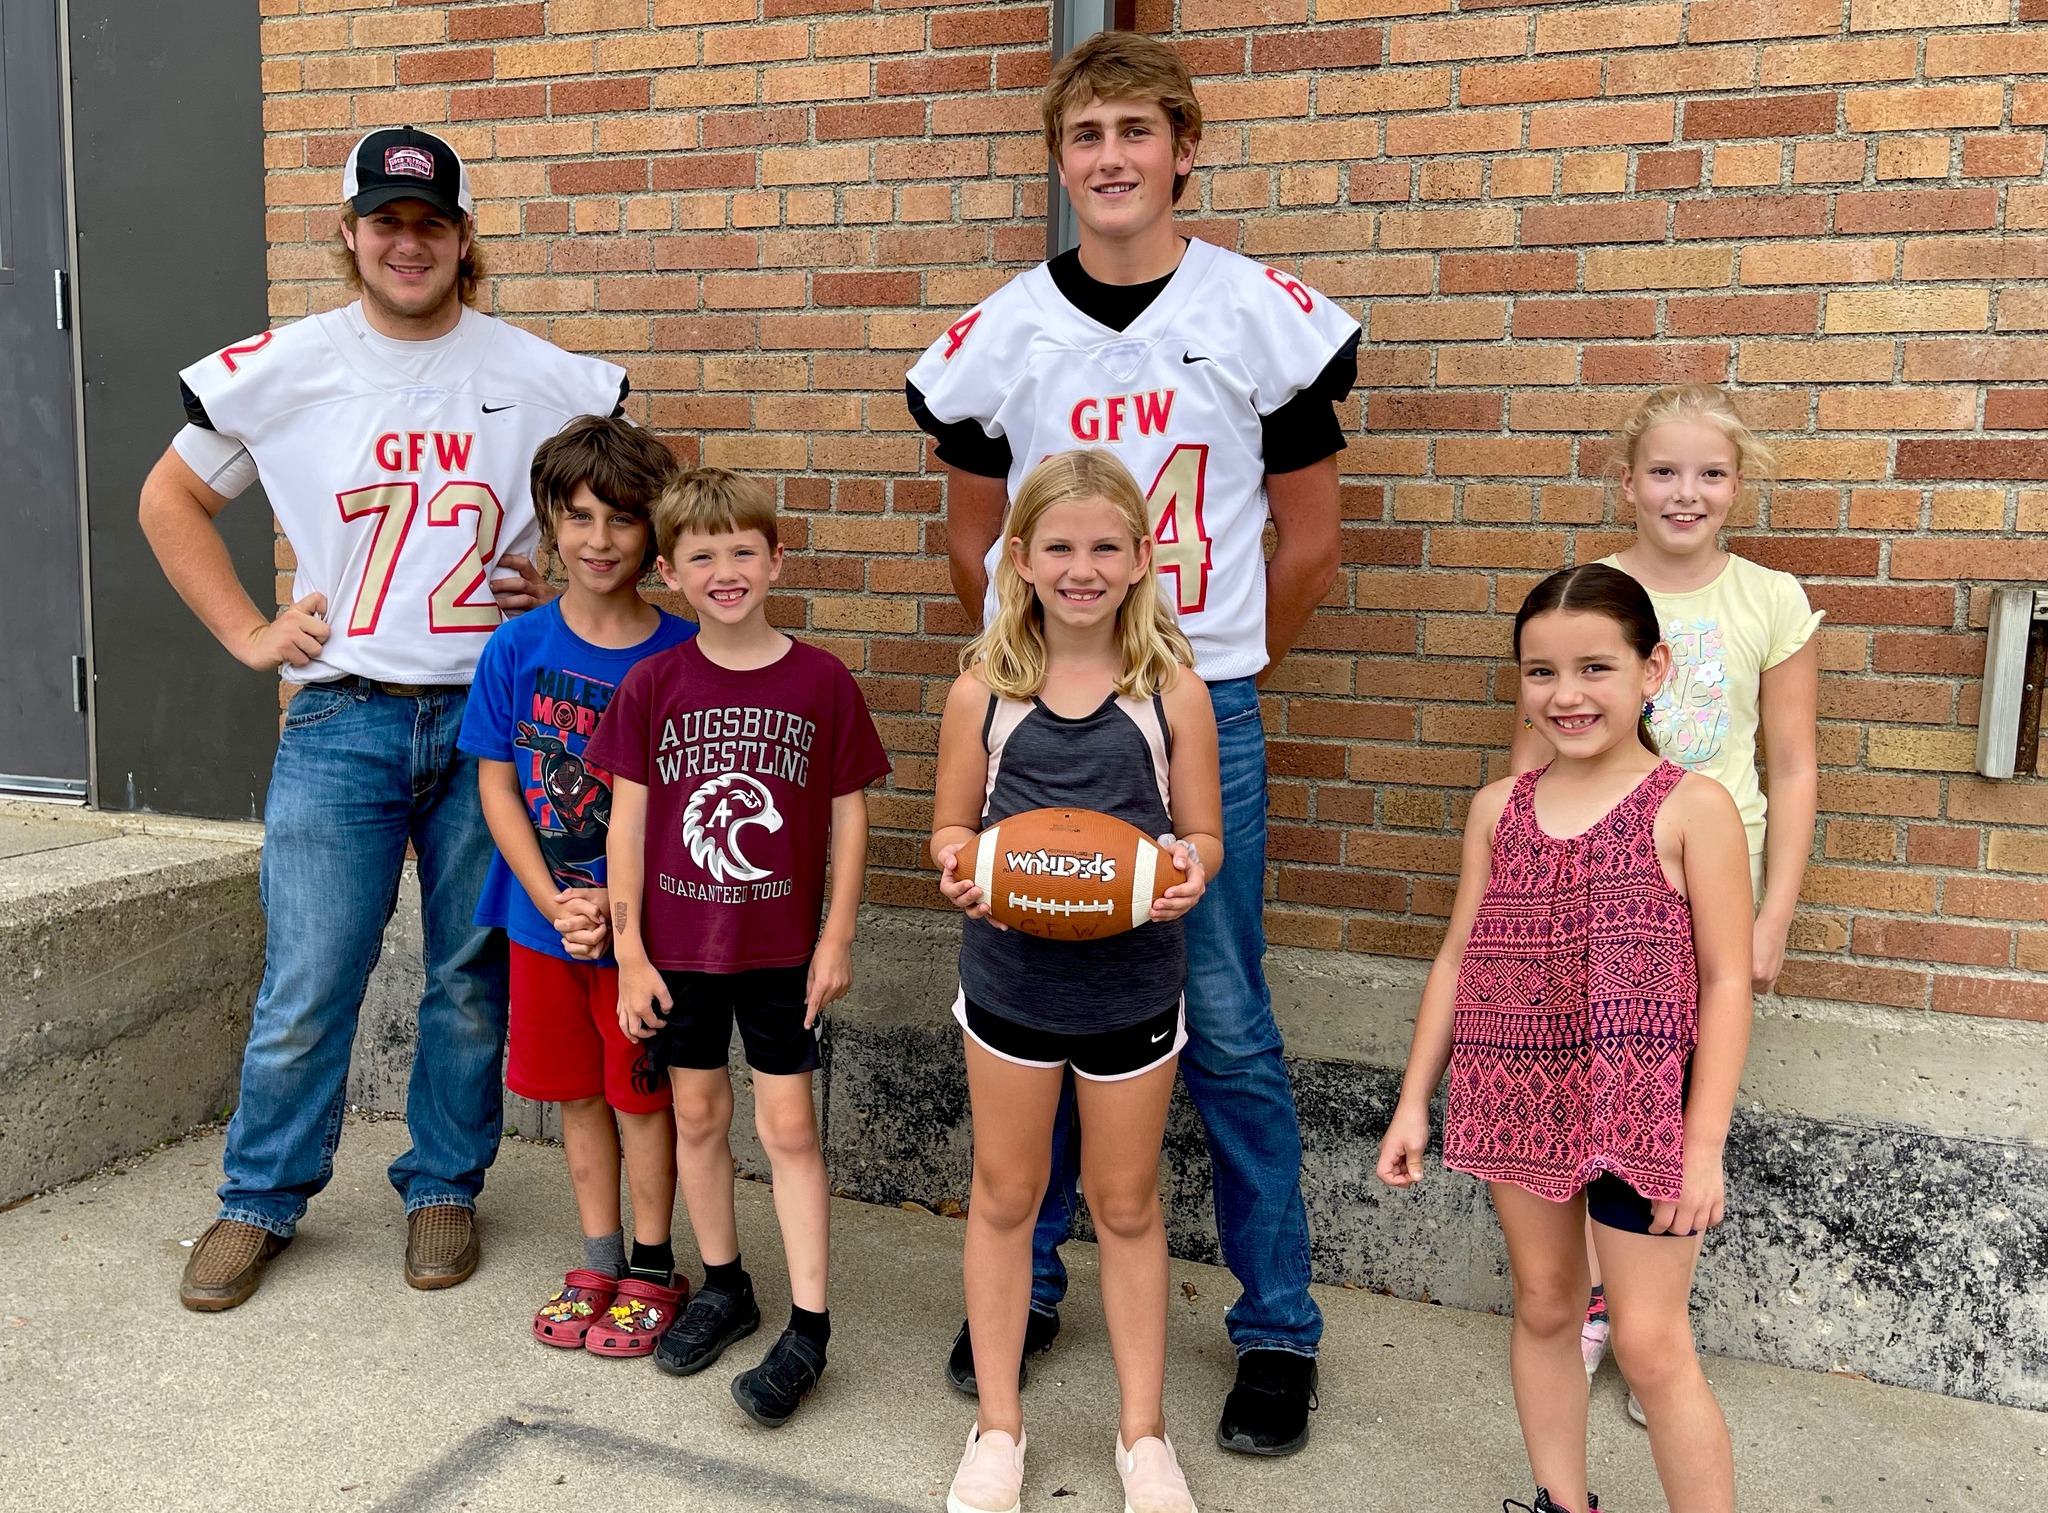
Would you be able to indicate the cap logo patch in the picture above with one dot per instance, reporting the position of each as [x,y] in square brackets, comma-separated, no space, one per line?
[408,162]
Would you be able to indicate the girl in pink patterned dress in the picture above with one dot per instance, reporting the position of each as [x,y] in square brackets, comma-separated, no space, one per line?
[1592,1002]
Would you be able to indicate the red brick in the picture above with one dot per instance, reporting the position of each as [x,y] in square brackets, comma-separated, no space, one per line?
[1599,318]
[2008,157]
[445,67]
[1518,83]
[727,170]
[1921,653]
[490,23]
[1656,365]
[1668,170]
[1917,210]
[1739,217]
[1866,604]
[888,118]
[1324,47]
[2024,461]
[1858,984]
[989,28]
[1593,223]
[1993,997]
[1760,116]
[1506,272]
[1944,845]
[864,290]
[2016,410]
[756,128]
[505,103]
[604,176]
[1826,556]
[595,97]
[1909,940]
[1380,183]
[1742,315]
[932,76]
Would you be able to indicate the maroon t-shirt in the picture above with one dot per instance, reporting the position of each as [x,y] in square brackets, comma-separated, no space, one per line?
[741,769]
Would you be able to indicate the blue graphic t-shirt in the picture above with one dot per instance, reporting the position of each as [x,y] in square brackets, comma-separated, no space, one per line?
[539,691]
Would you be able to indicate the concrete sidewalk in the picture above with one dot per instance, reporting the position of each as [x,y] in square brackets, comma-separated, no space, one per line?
[337,1387]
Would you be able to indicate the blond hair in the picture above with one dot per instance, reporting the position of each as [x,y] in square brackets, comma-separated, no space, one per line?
[1695,404]
[712,502]
[1010,653]
[1123,66]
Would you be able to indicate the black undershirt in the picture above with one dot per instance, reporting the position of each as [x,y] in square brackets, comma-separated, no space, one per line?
[1304,430]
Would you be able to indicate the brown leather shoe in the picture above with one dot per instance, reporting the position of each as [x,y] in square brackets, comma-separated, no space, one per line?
[226,1265]
[440,1246]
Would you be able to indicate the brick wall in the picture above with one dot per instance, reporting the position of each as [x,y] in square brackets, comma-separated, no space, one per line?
[764,208]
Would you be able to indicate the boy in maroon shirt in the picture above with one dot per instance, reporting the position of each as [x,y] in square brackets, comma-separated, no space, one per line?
[737,758]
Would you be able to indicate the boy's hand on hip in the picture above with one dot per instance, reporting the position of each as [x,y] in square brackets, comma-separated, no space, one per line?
[293,639]
[644,1001]
[830,976]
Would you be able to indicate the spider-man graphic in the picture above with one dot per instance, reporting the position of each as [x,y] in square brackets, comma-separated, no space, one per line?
[578,807]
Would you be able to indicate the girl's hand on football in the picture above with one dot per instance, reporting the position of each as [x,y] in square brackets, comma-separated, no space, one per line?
[963,893]
[1185,894]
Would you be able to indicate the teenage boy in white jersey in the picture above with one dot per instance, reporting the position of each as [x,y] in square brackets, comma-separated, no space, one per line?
[395,439]
[1215,379]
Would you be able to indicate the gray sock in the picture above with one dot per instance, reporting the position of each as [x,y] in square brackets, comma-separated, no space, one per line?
[606,1253]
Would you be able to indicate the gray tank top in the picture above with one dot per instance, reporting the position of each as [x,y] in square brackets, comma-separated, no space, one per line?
[1113,761]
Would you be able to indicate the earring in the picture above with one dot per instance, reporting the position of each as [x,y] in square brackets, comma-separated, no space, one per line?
[1649,708]
[1527,723]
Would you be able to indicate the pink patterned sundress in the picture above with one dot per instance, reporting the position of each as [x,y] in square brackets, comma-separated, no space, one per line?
[1577,1006]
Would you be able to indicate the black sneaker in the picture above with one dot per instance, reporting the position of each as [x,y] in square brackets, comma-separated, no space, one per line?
[713,1321]
[1268,1407]
[787,1375]
[1040,1330]
[1545,1505]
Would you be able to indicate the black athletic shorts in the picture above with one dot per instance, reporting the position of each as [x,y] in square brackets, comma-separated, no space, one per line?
[1108,1056]
[1612,1202]
[767,1003]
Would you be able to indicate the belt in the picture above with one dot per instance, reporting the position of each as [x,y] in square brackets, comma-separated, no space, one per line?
[395,690]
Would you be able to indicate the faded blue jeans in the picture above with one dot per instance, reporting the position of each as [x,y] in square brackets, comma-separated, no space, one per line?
[360,773]
[1234,1072]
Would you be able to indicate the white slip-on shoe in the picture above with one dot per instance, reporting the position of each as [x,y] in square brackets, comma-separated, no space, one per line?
[991,1474]
[1152,1477]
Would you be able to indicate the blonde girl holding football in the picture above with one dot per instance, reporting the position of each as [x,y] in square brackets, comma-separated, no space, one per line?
[1079,694]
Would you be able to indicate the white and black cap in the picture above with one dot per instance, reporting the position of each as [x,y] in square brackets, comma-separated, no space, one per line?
[401,163]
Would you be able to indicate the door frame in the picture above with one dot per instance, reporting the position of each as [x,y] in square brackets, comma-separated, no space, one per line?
[70,175]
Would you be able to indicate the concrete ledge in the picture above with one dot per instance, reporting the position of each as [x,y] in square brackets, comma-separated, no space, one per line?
[1888,1171]
[128,965]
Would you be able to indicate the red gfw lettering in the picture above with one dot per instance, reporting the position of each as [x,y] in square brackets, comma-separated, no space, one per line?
[1104,419]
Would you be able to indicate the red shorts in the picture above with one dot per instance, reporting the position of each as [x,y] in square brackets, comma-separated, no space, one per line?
[565,1040]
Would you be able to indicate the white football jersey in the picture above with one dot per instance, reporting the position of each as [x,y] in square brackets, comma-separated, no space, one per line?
[397,489]
[1178,396]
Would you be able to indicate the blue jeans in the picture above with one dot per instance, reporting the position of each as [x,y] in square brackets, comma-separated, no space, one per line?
[1234,1072]
[360,773]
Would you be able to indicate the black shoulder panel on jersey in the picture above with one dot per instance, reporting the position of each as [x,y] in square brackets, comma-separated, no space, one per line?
[195,407]
[1305,430]
[625,388]
[963,444]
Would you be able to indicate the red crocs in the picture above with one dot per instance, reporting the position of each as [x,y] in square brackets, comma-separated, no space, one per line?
[565,1318]
[639,1316]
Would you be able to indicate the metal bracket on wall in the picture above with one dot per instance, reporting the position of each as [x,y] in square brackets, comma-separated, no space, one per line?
[2015,670]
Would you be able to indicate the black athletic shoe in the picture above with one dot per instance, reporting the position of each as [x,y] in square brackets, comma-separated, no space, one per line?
[787,1375]
[1040,1330]
[1268,1407]
[1545,1505]
[711,1322]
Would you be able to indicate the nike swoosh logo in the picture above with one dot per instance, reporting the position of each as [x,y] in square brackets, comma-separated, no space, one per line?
[494,409]
[1190,357]
[1161,1036]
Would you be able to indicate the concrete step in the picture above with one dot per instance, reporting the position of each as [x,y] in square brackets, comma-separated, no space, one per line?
[130,952]
[338,1388]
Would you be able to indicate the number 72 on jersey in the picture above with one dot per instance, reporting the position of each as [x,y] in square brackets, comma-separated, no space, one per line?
[393,506]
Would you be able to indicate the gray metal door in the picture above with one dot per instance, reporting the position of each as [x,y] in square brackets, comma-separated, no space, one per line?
[42,625]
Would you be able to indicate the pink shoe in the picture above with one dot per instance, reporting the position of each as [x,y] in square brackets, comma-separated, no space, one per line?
[1152,1479]
[1593,1334]
[991,1474]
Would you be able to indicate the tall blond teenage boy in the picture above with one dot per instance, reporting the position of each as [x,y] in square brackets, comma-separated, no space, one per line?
[738,760]
[1215,380]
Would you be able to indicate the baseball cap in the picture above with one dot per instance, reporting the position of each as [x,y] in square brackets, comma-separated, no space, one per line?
[400,163]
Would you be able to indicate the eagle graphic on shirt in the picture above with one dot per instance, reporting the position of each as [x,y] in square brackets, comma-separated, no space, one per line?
[716,815]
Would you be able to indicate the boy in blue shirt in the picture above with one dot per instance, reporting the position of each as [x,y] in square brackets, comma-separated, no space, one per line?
[542,682]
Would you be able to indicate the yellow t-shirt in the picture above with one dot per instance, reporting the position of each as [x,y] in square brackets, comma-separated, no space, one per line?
[1723,638]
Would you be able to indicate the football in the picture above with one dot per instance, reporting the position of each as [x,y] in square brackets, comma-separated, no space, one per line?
[1068,874]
